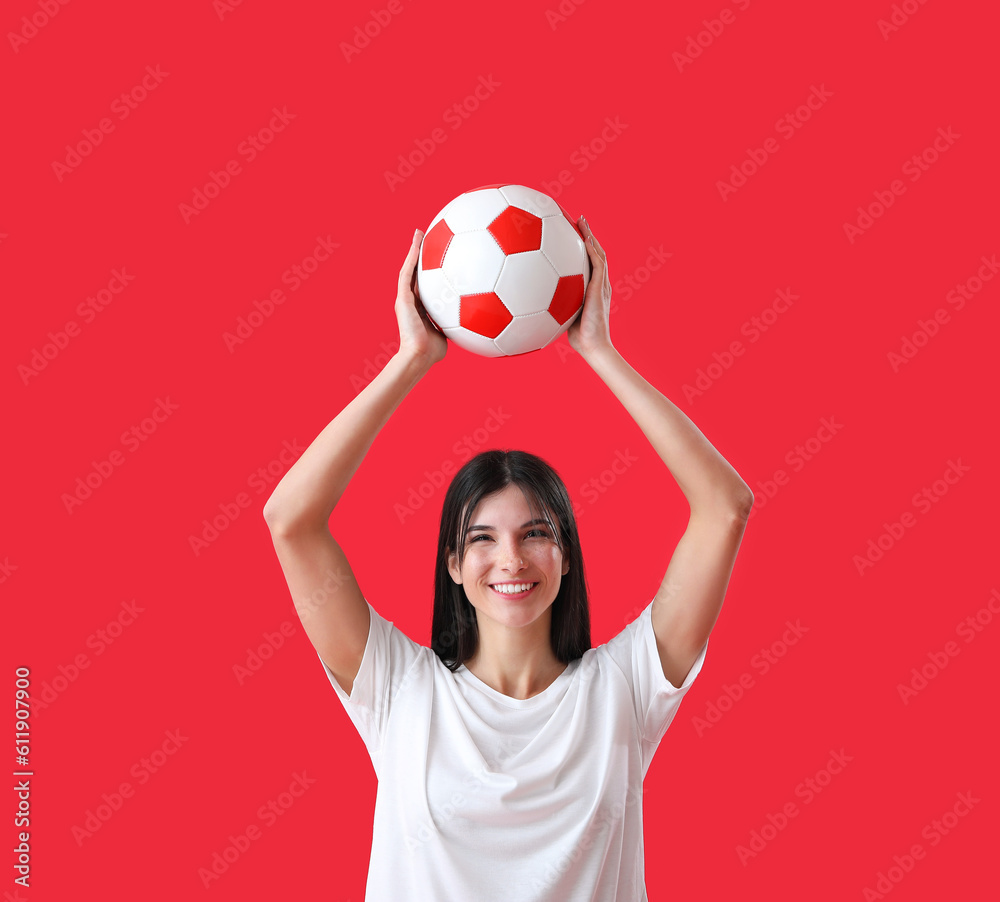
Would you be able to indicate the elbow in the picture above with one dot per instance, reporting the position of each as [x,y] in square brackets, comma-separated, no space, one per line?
[735,504]
[743,504]
[276,509]
[283,521]
[273,516]
[730,507]
[738,497]
[271,519]
[279,526]
[270,509]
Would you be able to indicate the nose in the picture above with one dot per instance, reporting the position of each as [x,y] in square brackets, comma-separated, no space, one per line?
[511,558]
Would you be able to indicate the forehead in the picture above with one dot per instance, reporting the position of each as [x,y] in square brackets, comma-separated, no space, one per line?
[510,503]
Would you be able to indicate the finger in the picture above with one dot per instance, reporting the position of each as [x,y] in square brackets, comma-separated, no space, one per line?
[408,269]
[594,248]
[425,317]
[597,258]
[589,232]
[598,264]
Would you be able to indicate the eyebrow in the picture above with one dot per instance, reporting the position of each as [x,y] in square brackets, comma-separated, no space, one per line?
[534,522]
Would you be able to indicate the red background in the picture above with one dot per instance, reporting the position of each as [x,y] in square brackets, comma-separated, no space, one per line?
[67,573]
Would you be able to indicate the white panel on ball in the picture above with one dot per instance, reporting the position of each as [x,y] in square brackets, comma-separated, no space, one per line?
[475,210]
[563,247]
[439,298]
[473,262]
[527,283]
[524,332]
[470,341]
[533,201]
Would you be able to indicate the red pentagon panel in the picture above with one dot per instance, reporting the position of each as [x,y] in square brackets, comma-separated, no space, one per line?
[484,314]
[435,243]
[567,298]
[517,231]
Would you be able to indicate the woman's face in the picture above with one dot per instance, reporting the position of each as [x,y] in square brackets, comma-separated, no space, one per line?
[506,553]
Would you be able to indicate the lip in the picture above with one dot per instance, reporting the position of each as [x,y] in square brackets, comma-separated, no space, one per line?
[517,597]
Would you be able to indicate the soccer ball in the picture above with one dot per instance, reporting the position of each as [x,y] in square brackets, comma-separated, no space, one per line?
[503,270]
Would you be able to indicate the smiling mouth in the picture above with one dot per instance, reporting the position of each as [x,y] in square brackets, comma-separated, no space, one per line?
[513,590]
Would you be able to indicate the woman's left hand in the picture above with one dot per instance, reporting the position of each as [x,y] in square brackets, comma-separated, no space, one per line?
[590,330]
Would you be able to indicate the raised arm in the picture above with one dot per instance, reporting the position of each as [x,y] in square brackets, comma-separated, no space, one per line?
[689,599]
[326,594]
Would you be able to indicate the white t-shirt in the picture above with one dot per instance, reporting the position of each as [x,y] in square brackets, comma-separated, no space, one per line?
[486,798]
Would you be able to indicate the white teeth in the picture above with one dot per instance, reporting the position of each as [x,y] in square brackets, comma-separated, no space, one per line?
[514,590]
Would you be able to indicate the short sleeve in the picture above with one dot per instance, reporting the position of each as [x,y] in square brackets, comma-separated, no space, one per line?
[388,658]
[655,698]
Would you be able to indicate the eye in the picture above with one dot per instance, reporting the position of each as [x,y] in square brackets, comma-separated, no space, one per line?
[482,535]
[539,532]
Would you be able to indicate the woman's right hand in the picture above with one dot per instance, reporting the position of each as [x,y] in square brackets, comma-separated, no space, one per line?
[418,337]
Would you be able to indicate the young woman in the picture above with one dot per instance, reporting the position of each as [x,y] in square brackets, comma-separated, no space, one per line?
[510,754]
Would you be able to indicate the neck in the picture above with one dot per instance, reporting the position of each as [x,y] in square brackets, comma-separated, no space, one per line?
[518,662]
